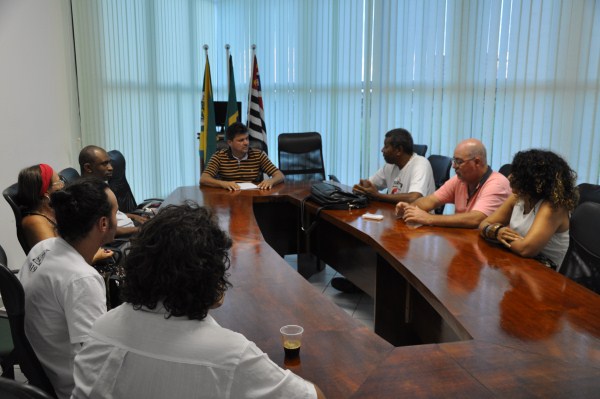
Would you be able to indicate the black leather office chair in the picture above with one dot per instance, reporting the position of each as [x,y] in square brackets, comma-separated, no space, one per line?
[3,257]
[69,175]
[301,156]
[582,261]
[259,145]
[13,298]
[6,346]
[10,195]
[440,165]
[119,185]
[10,389]
[505,169]
[254,143]
[420,149]
[588,192]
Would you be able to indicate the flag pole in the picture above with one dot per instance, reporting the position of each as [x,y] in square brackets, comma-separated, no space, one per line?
[201,137]
[227,47]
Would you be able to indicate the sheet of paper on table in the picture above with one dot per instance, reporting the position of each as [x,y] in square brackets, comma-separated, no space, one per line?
[247,186]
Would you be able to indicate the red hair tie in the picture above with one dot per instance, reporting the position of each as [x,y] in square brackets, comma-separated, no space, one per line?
[46,172]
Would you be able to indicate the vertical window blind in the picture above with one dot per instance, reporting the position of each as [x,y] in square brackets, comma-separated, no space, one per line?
[515,74]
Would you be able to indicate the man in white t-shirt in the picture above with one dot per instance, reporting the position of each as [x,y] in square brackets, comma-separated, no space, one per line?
[406,177]
[94,161]
[162,342]
[64,295]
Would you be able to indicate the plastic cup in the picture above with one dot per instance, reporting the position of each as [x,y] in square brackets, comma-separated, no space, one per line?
[291,338]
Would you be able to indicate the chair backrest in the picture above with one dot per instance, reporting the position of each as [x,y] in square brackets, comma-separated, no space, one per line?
[420,149]
[505,169]
[588,192]
[254,143]
[11,389]
[301,156]
[69,175]
[13,298]
[440,165]
[10,195]
[259,145]
[3,257]
[582,261]
[118,183]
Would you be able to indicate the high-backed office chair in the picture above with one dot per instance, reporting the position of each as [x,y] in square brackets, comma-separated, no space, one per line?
[420,149]
[582,261]
[10,195]
[13,298]
[301,156]
[505,169]
[6,346]
[588,192]
[69,175]
[3,257]
[10,389]
[119,185]
[254,143]
[259,145]
[440,165]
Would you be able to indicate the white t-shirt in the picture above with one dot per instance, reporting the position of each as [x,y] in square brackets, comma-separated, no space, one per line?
[123,220]
[558,244]
[415,177]
[63,297]
[140,354]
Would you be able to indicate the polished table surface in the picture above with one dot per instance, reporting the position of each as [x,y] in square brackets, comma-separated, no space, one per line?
[523,330]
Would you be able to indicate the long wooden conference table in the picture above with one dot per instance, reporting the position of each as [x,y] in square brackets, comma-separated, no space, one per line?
[454,315]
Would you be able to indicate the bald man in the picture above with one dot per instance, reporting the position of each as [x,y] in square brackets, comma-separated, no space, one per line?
[95,162]
[476,191]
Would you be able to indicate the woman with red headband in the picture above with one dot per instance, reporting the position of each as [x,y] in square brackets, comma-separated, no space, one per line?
[35,185]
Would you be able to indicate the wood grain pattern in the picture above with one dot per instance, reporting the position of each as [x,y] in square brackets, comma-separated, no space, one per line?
[527,330]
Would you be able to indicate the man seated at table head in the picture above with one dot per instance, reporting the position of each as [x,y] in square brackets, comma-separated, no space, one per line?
[161,342]
[94,161]
[64,295]
[476,191]
[406,175]
[239,163]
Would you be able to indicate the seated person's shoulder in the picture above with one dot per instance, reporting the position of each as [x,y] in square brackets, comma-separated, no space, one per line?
[500,181]
[38,225]
[33,220]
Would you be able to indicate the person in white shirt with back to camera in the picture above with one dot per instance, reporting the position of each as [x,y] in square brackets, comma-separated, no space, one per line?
[162,342]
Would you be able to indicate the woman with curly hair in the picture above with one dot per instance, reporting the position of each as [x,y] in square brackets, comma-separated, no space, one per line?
[534,221]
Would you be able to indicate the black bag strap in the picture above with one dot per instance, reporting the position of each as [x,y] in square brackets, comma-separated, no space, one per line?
[303,216]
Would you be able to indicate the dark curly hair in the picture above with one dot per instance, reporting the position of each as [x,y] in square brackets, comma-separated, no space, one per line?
[79,206]
[540,174]
[179,258]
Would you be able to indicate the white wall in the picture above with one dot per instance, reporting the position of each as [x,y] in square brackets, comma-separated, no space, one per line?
[39,118]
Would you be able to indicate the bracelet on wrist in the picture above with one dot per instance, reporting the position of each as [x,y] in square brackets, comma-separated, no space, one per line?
[491,233]
[497,231]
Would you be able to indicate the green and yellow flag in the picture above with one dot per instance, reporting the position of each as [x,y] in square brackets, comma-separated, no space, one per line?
[208,137]
[233,114]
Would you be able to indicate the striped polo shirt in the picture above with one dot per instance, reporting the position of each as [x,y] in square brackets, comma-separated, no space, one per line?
[224,166]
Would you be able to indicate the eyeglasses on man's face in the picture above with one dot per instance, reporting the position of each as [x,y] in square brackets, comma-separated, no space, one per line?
[458,162]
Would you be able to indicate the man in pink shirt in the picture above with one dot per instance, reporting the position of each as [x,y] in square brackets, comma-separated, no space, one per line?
[476,191]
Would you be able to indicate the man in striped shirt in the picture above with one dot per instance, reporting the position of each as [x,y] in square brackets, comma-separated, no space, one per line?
[239,163]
